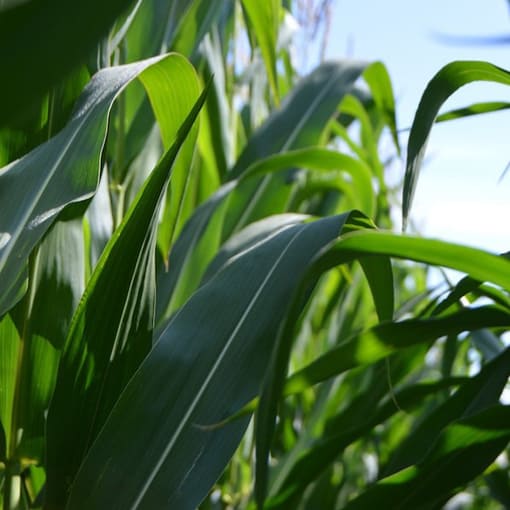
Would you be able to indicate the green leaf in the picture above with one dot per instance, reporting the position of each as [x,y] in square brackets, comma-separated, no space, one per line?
[9,352]
[173,104]
[111,331]
[43,317]
[377,77]
[318,455]
[31,199]
[381,282]
[479,264]
[385,338]
[264,18]
[297,124]
[201,237]
[352,171]
[191,253]
[463,451]
[473,109]
[50,58]
[222,336]
[473,396]
[450,78]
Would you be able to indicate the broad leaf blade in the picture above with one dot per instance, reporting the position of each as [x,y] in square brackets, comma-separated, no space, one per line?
[208,362]
[379,272]
[112,328]
[64,170]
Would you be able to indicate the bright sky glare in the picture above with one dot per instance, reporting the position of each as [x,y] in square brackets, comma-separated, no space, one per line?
[458,197]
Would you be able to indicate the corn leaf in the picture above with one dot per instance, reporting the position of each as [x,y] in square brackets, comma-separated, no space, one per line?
[450,78]
[111,331]
[221,336]
[463,451]
[32,199]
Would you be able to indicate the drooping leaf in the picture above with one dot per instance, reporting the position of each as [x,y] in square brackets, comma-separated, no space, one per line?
[32,199]
[298,123]
[379,273]
[449,79]
[222,335]
[111,331]
[463,451]
[477,263]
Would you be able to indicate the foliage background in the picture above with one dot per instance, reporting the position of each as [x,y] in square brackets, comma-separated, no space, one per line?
[193,231]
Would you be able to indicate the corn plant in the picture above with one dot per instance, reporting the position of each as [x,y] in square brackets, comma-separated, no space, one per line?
[204,302]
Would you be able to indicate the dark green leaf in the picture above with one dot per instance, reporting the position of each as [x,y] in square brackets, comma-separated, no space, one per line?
[111,331]
[222,335]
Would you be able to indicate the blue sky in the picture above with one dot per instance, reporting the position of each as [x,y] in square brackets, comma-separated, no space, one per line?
[458,197]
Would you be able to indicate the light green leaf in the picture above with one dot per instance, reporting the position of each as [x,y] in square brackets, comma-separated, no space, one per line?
[264,18]
[450,78]
[479,264]
[377,77]
[473,109]
[9,352]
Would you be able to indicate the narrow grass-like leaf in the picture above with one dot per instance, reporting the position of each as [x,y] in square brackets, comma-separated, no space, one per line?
[385,338]
[473,396]
[9,352]
[377,77]
[450,78]
[473,109]
[111,331]
[316,458]
[264,18]
[379,269]
[463,451]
